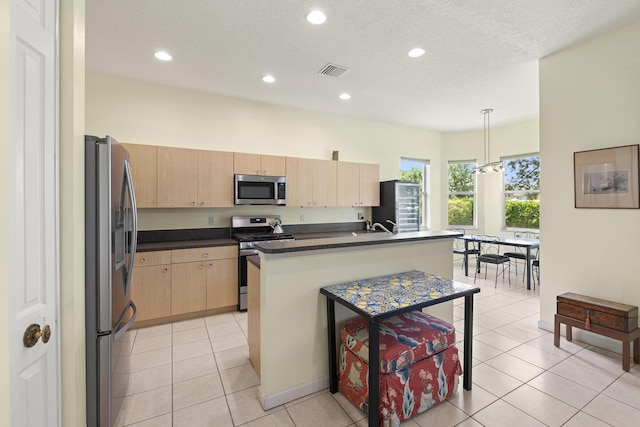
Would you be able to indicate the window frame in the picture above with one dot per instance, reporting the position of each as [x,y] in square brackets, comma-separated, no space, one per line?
[516,193]
[473,193]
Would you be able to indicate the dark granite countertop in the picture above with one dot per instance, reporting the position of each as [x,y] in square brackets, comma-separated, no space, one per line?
[332,234]
[308,237]
[185,244]
[164,240]
[351,240]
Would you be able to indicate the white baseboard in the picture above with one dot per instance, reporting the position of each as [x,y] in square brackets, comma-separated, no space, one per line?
[586,337]
[286,396]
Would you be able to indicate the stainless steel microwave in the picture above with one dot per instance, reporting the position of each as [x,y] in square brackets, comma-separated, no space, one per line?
[260,190]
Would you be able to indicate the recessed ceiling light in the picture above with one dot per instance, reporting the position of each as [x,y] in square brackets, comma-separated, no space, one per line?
[414,53]
[163,56]
[316,17]
[268,78]
[345,96]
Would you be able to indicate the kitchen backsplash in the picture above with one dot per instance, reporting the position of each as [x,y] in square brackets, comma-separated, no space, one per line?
[170,219]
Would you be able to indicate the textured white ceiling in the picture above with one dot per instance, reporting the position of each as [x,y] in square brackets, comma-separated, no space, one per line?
[479,54]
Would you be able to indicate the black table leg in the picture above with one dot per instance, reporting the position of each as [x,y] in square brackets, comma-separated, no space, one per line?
[374,373]
[333,358]
[528,267]
[466,257]
[468,342]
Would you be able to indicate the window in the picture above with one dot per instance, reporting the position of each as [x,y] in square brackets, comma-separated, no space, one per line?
[522,192]
[462,194]
[418,171]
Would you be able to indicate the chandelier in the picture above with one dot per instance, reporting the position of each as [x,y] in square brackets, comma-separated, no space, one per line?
[488,166]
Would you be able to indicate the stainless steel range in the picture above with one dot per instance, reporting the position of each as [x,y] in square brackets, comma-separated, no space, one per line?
[248,230]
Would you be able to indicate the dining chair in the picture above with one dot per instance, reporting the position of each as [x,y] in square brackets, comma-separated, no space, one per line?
[490,254]
[519,253]
[458,246]
[535,269]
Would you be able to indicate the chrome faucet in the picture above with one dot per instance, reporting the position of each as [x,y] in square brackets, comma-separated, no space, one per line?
[395,226]
[381,227]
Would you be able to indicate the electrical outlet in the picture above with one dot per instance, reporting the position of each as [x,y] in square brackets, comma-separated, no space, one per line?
[360,216]
[301,217]
[211,220]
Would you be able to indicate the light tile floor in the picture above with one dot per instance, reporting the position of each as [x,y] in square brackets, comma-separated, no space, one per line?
[197,373]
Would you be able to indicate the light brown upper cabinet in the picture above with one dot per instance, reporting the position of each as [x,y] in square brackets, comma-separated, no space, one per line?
[215,179]
[144,173]
[177,177]
[258,164]
[358,184]
[324,182]
[311,182]
[194,178]
[369,184]
[299,182]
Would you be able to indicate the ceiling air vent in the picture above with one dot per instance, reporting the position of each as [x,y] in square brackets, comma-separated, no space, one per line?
[333,70]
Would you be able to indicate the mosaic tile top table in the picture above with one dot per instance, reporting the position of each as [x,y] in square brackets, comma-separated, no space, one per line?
[376,298]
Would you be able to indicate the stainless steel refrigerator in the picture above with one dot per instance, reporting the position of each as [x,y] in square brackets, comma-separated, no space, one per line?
[110,246]
[400,203]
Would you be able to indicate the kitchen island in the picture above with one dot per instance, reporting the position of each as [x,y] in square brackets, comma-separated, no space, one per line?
[289,314]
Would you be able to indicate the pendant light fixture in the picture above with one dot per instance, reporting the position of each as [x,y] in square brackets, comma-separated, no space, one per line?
[488,166]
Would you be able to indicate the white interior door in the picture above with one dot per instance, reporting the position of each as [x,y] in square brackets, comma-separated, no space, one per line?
[33,213]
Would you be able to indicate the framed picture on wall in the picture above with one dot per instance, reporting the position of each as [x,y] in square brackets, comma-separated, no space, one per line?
[607,178]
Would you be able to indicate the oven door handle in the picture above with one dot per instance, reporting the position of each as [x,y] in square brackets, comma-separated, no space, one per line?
[248,252]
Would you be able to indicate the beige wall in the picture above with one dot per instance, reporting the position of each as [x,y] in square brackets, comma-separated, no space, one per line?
[510,140]
[588,99]
[4,214]
[147,113]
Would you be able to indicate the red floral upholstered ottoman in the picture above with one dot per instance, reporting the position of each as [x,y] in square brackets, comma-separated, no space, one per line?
[419,364]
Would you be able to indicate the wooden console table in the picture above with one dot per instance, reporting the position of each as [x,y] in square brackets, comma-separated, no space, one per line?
[606,318]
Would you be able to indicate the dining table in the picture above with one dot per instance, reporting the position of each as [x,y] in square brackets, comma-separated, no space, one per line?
[527,244]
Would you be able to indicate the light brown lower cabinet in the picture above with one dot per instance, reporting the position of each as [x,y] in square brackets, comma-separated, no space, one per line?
[151,285]
[188,287]
[222,283]
[151,291]
[184,281]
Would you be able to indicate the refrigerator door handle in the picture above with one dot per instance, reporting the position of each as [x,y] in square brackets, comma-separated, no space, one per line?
[134,223]
[127,325]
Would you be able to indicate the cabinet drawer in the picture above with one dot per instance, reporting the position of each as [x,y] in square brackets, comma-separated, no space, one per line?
[152,258]
[203,254]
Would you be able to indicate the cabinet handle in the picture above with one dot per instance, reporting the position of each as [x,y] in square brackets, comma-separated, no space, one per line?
[206,254]
[143,260]
[201,203]
[264,172]
[193,203]
[257,171]
[164,270]
[201,266]
[210,265]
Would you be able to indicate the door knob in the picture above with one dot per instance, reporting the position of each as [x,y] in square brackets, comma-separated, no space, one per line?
[33,333]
